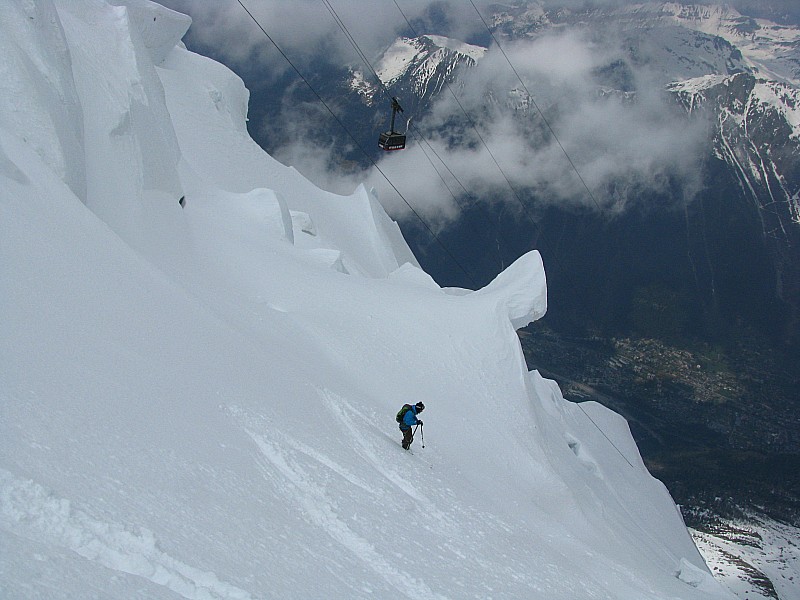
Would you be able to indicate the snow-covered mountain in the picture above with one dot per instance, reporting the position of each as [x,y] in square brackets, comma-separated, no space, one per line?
[757,133]
[694,36]
[416,68]
[770,49]
[756,557]
[737,75]
[201,355]
[744,74]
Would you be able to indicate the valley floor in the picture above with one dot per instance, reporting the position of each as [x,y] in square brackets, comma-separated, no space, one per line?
[719,431]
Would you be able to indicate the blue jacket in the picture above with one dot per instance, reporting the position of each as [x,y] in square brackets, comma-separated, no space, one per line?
[410,418]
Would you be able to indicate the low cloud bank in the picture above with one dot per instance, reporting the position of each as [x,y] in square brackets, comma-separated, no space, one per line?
[576,128]
[627,142]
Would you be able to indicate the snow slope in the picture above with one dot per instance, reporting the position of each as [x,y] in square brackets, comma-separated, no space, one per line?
[423,54]
[197,398]
[770,48]
[756,557]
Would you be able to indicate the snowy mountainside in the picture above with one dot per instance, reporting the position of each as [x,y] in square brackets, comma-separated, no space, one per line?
[756,557]
[417,68]
[757,133]
[735,75]
[660,36]
[682,40]
[198,396]
[771,49]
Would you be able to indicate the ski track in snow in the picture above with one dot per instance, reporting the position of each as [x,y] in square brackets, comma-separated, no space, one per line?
[31,511]
[319,510]
[345,412]
[250,423]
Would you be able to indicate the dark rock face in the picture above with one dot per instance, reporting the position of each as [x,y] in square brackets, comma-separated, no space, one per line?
[755,174]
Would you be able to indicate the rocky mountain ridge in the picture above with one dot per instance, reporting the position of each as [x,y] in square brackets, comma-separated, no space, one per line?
[756,132]
[416,68]
[762,45]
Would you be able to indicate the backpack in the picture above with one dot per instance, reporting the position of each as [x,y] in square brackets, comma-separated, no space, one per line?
[402,413]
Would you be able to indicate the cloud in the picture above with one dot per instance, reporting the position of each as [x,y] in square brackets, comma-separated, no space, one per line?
[306,29]
[623,146]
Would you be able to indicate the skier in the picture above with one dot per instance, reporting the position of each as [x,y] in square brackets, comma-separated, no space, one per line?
[407,417]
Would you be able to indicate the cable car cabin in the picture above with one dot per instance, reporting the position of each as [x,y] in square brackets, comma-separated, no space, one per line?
[391,140]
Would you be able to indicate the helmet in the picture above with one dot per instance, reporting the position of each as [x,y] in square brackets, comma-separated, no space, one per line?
[420,406]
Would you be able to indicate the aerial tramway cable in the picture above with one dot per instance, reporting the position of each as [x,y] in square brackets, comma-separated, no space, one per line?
[416,131]
[580,177]
[522,204]
[299,73]
[384,175]
[539,110]
[477,131]
[358,145]
[425,142]
[385,92]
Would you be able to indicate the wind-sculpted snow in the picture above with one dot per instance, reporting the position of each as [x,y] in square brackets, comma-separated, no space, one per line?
[38,98]
[27,506]
[357,226]
[201,361]
[520,291]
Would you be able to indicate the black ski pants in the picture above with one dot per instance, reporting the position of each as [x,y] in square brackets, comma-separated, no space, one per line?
[408,436]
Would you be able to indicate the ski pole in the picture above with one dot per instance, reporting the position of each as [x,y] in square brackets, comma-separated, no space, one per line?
[422,434]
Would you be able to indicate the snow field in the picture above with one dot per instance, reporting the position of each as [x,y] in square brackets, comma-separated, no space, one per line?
[742,553]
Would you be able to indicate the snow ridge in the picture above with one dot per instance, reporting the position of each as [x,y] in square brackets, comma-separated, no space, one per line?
[30,509]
